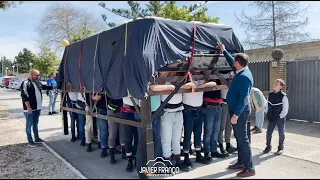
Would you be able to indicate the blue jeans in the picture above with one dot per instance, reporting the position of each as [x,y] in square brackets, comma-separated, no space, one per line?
[52,102]
[131,134]
[192,122]
[74,119]
[82,122]
[103,129]
[281,128]
[260,118]
[212,120]
[156,139]
[243,144]
[32,120]
[95,126]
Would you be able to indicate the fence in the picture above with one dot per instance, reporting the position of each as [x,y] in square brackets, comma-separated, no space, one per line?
[260,72]
[303,85]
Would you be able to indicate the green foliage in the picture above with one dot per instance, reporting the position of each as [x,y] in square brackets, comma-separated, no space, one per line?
[46,62]
[6,63]
[82,33]
[4,5]
[23,59]
[168,9]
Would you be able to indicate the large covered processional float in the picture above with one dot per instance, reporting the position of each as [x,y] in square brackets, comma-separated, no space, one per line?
[126,58]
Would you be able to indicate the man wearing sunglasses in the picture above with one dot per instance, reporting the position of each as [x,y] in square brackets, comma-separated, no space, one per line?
[32,104]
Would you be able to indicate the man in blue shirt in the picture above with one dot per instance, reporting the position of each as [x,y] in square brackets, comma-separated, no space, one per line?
[52,92]
[238,100]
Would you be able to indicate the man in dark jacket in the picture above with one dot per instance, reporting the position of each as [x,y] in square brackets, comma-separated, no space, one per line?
[32,104]
[238,100]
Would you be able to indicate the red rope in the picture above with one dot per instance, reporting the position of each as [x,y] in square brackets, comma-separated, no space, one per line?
[79,65]
[188,74]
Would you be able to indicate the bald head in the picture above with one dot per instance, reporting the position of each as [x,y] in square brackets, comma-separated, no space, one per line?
[34,75]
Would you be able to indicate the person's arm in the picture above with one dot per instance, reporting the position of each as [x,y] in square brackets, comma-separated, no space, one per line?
[25,97]
[208,84]
[188,85]
[285,107]
[155,87]
[243,95]
[229,59]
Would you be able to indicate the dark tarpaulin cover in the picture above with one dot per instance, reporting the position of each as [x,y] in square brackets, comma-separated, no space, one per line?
[125,57]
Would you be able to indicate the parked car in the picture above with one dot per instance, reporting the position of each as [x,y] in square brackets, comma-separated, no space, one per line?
[6,81]
[17,83]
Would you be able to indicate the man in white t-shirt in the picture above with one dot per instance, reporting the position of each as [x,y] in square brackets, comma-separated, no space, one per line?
[32,104]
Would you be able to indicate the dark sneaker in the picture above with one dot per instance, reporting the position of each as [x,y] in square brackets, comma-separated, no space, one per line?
[39,140]
[246,173]
[201,159]
[236,166]
[104,153]
[253,129]
[54,112]
[267,150]
[73,139]
[32,144]
[116,151]
[207,157]
[99,145]
[50,113]
[231,149]
[83,143]
[279,152]
[89,148]
[258,131]
[224,152]
[78,136]
[217,155]
[112,158]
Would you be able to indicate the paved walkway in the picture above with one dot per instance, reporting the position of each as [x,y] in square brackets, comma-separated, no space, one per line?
[302,146]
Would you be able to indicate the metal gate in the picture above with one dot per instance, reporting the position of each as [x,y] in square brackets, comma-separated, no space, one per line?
[260,72]
[303,89]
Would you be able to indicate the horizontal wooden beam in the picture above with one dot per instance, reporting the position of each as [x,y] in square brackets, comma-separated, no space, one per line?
[105,117]
[194,77]
[181,91]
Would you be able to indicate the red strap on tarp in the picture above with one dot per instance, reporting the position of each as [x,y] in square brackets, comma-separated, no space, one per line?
[188,74]
[79,65]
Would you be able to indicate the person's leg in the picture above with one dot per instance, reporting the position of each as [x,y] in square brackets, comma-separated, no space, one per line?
[188,122]
[122,141]
[270,129]
[89,130]
[113,132]
[103,134]
[95,127]
[208,125]
[225,113]
[82,122]
[73,123]
[166,126]
[197,131]
[243,139]
[54,102]
[35,124]
[157,137]
[128,133]
[227,135]
[29,122]
[51,98]
[215,133]
[281,129]
[259,120]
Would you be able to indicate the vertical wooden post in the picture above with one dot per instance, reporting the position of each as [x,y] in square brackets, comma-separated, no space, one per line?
[147,144]
[64,115]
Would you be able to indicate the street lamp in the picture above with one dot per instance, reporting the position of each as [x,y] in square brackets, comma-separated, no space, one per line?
[30,64]
[13,68]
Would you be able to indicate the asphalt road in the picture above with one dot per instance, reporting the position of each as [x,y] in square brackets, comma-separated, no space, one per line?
[92,166]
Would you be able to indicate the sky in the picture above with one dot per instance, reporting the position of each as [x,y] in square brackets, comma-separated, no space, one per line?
[17,25]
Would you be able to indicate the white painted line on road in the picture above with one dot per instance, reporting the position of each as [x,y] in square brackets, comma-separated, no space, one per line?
[77,172]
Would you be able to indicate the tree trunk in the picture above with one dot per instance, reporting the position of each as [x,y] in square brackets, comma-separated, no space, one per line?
[274,26]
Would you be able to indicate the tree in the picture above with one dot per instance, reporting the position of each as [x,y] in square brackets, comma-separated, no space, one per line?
[23,59]
[46,62]
[276,23]
[65,21]
[82,33]
[4,62]
[4,5]
[167,9]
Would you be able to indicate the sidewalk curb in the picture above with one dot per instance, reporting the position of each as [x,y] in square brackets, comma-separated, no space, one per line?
[77,172]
